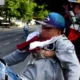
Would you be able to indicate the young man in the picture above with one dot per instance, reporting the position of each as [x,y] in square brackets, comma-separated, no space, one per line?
[45,66]
[26,28]
[72,18]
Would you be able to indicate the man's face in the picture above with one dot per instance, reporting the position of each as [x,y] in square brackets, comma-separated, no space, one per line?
[48,32]
[77,9]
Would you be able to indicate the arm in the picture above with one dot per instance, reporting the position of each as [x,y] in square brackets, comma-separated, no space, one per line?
[68,58]
[15,57]
[46,53]
[18,56]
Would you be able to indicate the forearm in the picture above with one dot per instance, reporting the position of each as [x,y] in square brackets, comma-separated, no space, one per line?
[45,53]
[15,57]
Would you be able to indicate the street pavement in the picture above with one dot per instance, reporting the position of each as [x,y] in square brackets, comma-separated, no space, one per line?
[18,68]
[31,28]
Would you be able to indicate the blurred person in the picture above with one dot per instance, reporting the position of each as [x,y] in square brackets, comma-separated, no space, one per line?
[72,18]
[44,46]
[26,30]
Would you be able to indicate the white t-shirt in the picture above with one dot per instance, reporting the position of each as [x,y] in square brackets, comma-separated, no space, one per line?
[26,27]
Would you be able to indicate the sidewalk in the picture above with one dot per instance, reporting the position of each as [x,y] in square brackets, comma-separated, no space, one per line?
[8,29]
[31,28]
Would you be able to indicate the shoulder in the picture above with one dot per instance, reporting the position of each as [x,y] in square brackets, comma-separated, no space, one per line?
[64,43]
[31,35]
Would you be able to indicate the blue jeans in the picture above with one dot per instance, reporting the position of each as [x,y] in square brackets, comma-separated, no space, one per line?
[26,33]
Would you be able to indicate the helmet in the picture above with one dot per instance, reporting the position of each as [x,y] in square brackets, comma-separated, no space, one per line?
[74,1]
[53,20]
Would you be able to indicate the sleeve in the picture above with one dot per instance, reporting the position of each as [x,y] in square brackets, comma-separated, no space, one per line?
[15,57]
[70,62]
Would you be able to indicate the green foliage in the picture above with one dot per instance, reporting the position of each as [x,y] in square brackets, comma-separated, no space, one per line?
[30,9]
[41,12]
[11,7]
[22,9]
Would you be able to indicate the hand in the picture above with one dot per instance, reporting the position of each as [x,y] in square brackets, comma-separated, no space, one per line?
[46,53]
[49,53]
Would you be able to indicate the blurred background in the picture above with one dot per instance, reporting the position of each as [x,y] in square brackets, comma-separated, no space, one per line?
[15,13]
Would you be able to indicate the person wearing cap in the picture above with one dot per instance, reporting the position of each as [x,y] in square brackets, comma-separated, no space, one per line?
[45,66]
[72,18]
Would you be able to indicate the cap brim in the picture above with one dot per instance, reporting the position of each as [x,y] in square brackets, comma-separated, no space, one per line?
[43,23]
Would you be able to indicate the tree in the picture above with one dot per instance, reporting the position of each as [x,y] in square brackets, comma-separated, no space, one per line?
[41,12]
[11,8]
[21,9]
[24,9]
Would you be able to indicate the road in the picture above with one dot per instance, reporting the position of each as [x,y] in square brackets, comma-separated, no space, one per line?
[8,41]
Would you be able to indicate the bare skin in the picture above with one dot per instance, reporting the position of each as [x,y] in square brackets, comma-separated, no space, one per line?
[46,53]
[76,9]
